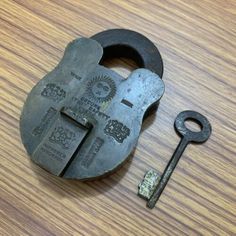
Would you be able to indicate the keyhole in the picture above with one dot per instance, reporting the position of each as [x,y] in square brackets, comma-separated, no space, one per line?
[193,125]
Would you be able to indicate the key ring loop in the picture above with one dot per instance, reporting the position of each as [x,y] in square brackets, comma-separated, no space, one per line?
[198,137]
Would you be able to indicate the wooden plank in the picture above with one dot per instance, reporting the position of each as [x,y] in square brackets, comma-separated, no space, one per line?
[197,40]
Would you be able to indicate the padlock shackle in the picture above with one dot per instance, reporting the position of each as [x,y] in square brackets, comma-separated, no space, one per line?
[130,44]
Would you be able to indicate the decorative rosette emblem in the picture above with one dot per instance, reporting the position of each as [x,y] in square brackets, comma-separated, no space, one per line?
[101,89]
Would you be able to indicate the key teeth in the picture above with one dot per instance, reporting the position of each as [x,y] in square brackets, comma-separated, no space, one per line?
[148,184]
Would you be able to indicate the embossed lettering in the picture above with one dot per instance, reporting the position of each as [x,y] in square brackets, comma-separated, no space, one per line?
[96,146]
[52,152]
[62,136]
[53,92]
[51,112]
[86,108]
[117,130]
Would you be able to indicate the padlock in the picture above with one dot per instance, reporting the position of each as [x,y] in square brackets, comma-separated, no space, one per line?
[82,120]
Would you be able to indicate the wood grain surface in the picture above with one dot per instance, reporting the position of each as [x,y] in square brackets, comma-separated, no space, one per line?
[197,40]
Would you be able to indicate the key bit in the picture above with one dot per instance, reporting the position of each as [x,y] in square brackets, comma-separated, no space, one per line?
[148,185]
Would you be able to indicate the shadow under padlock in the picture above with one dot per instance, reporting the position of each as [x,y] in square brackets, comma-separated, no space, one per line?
[82,120]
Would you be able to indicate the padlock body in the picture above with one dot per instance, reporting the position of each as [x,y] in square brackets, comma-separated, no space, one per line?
[83,120]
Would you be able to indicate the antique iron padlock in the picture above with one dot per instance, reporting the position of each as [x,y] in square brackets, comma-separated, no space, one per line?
[82,120]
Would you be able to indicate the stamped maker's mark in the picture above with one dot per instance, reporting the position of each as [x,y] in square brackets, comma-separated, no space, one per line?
[101,89]
[44,123]
[52,152]
[62,136]
[89,157]
[87,108]
[53,92]
[117,130]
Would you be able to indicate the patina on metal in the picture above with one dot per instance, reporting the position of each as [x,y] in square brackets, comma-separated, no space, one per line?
[82,120]
[187,136]
[148,185]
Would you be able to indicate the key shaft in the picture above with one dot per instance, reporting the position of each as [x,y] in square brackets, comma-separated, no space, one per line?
[168,172]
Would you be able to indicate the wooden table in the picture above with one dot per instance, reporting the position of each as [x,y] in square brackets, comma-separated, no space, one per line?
[197,40]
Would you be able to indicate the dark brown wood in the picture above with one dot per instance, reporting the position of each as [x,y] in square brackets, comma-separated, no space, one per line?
[197,40]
